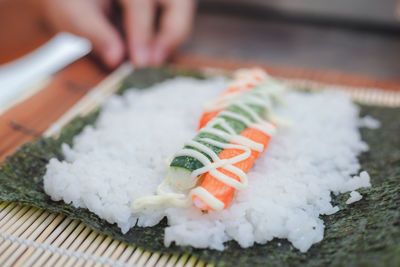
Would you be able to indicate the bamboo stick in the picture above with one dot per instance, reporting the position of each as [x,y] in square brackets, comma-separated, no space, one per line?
[35,230]
[163,260]
[29,258]
[72,242]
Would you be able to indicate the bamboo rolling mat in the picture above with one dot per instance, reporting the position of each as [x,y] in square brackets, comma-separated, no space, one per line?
[34,237]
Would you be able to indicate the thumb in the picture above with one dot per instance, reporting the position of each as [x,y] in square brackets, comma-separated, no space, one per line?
[176,22]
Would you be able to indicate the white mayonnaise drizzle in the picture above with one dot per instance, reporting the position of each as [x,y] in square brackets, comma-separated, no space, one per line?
[221,102]
[259,96]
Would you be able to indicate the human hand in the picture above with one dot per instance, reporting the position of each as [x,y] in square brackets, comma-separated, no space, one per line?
[144,45]
[398,9]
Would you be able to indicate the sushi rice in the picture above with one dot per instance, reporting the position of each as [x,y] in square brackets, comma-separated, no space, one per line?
[124,156]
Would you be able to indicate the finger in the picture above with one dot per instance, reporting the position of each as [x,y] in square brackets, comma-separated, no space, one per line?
[176,22]
[398,10]
[139,27]
[106,41]
[86,19]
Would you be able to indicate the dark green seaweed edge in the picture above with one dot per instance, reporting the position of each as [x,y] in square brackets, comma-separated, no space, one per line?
[367,233]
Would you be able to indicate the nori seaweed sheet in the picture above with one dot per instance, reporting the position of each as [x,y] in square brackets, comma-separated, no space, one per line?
[366,233]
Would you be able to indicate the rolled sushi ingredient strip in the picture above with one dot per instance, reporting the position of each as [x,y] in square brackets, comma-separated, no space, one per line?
[240,132]
[221,191]
[240,148]
[184,180]
[225,172]
[225,128]
[243,81]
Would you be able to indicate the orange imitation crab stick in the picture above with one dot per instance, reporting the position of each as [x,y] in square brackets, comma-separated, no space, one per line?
[220,190]
[209,115]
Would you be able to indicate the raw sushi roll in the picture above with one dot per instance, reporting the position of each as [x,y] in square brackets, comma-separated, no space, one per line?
[234,130]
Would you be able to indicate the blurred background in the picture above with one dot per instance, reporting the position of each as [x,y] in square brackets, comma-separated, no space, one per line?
[357,36]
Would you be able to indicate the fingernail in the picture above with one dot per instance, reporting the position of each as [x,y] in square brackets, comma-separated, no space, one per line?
[159,55]
[141,54]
